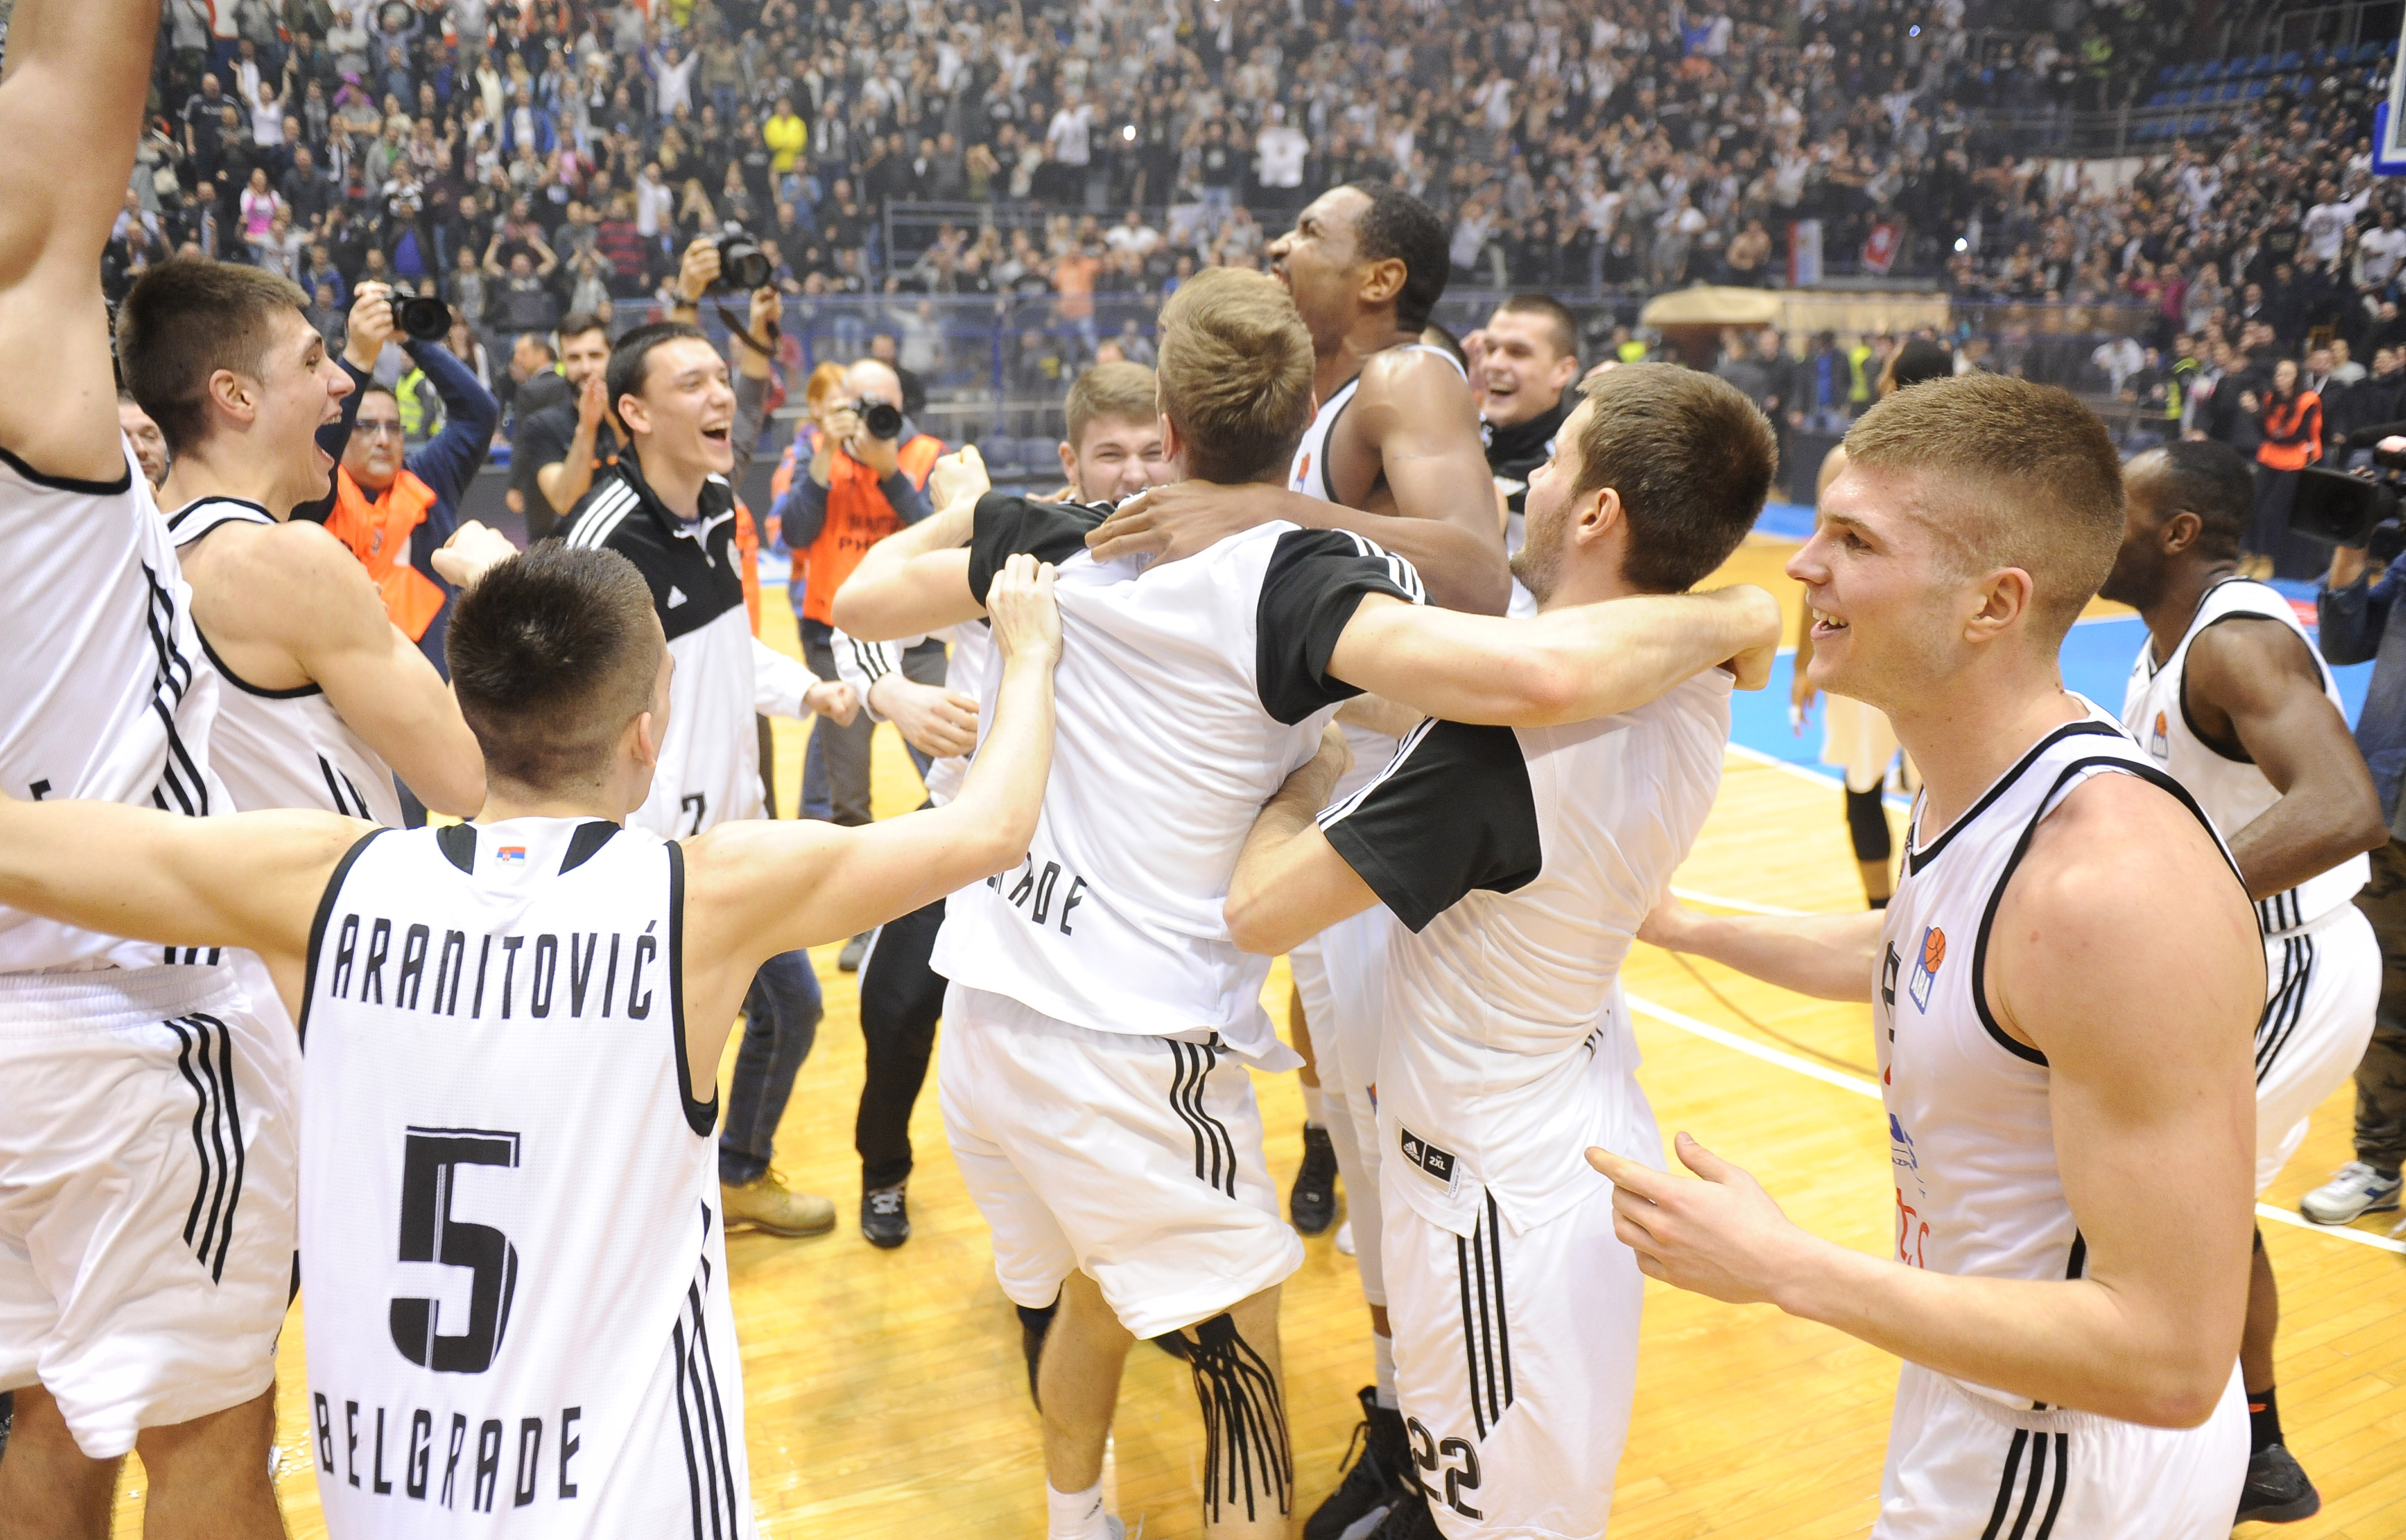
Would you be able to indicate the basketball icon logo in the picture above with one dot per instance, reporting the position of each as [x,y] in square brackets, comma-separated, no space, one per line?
[1925,967]
[2158,743]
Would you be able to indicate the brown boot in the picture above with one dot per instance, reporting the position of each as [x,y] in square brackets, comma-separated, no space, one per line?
[765,1205]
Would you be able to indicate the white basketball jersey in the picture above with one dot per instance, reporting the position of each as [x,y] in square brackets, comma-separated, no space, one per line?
[1978,1193]
[283,748]
[2234,791]
[970,648]
[1310,475]
[515,1285]
[107,698]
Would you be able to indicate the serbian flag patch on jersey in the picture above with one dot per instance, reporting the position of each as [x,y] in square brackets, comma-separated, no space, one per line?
[510,852]
[1925,967]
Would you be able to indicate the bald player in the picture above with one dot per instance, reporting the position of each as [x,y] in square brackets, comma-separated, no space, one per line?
[1393,452]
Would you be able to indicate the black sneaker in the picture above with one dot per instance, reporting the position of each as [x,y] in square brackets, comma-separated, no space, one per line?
[1313,1203]
[1408,1520]
[848,960]
[2277,1490]
[1380,1479]
[885,1216]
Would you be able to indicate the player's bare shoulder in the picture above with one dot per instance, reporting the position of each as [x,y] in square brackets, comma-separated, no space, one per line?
[1419,382]
[285,586]
[2124,890]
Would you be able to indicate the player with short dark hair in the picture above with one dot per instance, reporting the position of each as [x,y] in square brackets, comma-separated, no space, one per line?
[1521,863]
[2230,697]
[537,997]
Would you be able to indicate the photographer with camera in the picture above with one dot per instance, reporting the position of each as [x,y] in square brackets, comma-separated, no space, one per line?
[865,479]
[396,509]
[2368,573]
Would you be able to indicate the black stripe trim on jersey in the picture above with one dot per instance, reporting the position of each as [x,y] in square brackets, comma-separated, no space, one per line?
[352,805]
[244,686]
[179,776]
[2287,1006]
[2021,847]
[205,1057]
[2055,1496]
[701,1423]
[2005,1484]
[176,520]
[590,836]
[1215,1152]
[699,1116]
[870,658]
[458,843]
[1920,859]
[1486,1329]
[2075,1265]
[318,928]
[2243,757]
[124,483]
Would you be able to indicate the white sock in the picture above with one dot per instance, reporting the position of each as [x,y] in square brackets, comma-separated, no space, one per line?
[1075,1516]
[1312,1117]
[1382,1359]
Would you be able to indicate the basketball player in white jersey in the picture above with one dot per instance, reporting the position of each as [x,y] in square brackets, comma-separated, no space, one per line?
[1112,451]
[145,1167]
[1856,740]
[322,698]
[2230,697]
[1393,452]
[1521,864]
[1095,992]
[503,1018]
[2064,992]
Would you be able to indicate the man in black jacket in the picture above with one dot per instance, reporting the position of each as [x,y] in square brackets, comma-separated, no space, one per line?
[1522,361]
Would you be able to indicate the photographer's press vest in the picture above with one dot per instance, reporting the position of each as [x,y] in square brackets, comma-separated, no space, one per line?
[858,517]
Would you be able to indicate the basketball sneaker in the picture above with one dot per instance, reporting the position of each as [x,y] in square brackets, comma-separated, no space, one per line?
[2277,1490]
[885,1216]
[1344,1242]
[2353,1189]
[1377,1480]
[766,1205]
[1312,1203]
[848,960]
[1410,1519]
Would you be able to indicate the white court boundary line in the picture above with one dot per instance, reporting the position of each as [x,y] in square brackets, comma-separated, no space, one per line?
[1865,1088]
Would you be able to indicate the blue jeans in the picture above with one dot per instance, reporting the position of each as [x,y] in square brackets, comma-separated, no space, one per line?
[781,1021]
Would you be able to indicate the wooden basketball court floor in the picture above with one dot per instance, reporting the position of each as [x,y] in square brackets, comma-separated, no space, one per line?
[884,1391]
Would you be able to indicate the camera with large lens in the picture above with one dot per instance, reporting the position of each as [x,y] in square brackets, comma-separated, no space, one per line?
[742,266]
[420,316]
[2353,508]
[878,419]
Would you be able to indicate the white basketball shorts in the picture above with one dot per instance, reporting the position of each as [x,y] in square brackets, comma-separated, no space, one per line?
[147,1192]
[1858,740]
[1961,1466]
[1515,1359]
[2325,981]
[1342,976]
[1137,1161]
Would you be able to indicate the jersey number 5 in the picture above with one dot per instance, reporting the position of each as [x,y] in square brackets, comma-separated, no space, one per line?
[430,1161]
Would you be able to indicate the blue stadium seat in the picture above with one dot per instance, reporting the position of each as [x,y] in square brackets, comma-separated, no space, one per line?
[2164,75]
[2187,75]
[2212,70]
[2258,87]
[2199,125]
[2289,63]
[2160,99]
[2260,65]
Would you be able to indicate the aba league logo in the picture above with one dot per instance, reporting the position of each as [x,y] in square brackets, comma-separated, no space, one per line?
[2158,743]
[1925,967]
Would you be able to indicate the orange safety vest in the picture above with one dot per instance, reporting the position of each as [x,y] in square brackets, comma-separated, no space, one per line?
[747,558]
[378,533]
[858,517]
[2301,422]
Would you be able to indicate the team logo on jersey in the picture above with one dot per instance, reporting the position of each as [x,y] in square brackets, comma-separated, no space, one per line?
[1900,1147]
[2159,742]
[676,596]
[1302,478]
[1925,967]
[516,854]
[376,541]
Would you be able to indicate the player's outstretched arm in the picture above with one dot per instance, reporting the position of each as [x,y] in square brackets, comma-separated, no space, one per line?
[330,618]
[1828,956]
[1567,665]
[249,880]
[2145,1012]
[756,887]
[1290,883]
[70,113]
[1463,568]
[915,581]
[2260,677]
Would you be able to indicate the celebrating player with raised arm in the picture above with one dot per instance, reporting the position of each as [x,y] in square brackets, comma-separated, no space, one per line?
[2063,992]
[543,997]
[1095,992]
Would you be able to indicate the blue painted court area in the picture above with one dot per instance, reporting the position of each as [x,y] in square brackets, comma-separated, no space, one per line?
[2097,658]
